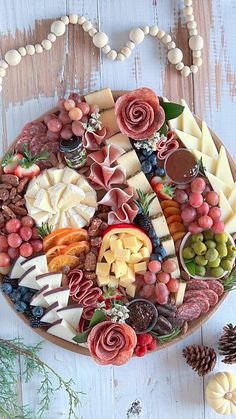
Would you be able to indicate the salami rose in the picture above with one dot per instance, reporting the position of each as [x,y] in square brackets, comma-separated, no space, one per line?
[111,343]
[139,114]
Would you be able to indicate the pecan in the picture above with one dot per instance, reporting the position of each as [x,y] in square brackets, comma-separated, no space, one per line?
[7,212]
[13,193]
[96,241]
[2,221]
[94,250]
[17,198]
[18,210]
[12,179]
[7,202]
[103,216]
[22,184]
[4,194]
[5,186]
[103,226]
[93,229]
[53,160]
[90,262]
[90,275]
[20,202]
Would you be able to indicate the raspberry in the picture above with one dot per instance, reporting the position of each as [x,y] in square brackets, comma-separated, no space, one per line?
[152,346]
[144,339]
[140,350]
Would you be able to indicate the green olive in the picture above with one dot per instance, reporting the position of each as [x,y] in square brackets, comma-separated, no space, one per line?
[215,263]
[221,237]
[200,260]
[188,253]
[200,270]
[226,264]
[210,244]
[211,255]
[208,235]
[197,237]
[222,250]
[199,248]
[217,272]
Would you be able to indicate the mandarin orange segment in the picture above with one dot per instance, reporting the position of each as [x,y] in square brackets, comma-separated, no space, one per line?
[59,262]
[49,240]
[73,236]
[171,211]
[169,203]
[173,219]
[76,248]
[178,236]
[176,227]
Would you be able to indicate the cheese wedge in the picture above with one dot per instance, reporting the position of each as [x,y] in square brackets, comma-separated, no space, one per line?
[189,124]
[16,268]
[108,119]
[70,176]
[226,210]
[230,225]
[41,217]
[55,175]
[52,279]
[103,98]
[50,314]
[71,197]
[90,199]
[38,298]
[62,329]
[28,278]
[232,197]
[32,188]
[218,185]
[71,314]
[120,139]
[189,141]
[139,180]
[208,162]
[131,289]
[63,220]
[154,207]
[55,193]
[85,211]
[130,162]
[160,226]
[176,123]
[29,203]
[43,181]
[60,295]
[208,146]
[102,280]
[140,267]
[223,171]
[76,220]
[42,201]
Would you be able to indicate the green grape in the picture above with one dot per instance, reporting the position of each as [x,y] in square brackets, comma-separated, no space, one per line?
[199,248]
[208,234]
[197,237]
[210,244]
[200,260]
[226,264]
[217,272]
[221,237]
[188,253]
[222,250]
[215,263]
[200,270]
[211,255]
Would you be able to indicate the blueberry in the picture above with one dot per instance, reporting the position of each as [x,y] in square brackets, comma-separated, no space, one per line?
[146,166]
[152,233]
[27,297]
[160,171]
[23,290]
[156,241]
[37,311]
[162,252]
[153,159]
[16,295]
[159,258]
[147,152]
[20,306]
[153,256]
[141,157]
[7,288]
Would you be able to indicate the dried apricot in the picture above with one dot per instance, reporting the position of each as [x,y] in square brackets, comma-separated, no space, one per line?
[171,211]
[176,227]
[169,203]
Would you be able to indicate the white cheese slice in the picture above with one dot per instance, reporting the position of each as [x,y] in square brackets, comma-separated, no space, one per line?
[75,219]
[140,181]
[155,207]
[38,298]
[189,141]
[55,193]
[232,197]
[32,188]
[169,246]
[90,199]
[120,139]
[223,171]
[160,226]
[189,124]
[103,98]
[29,203]
[71,197]
[218,185]
[39,261]
[28,279]
[43,180]
[50,314]
[63,330]
[226,210]
[207,143]
[230,225]
[70,176]
[176,123]
[130,162]
[60,295]
[16,269]
[208,162]
[63,220]
[54,219]
[71,314]
[108,119]
[85,211]
[52,279]
[82,183]
[40,217]
[55,175]
[42,201]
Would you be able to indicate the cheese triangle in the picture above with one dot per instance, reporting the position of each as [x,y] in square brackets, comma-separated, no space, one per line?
[223,171]
[207,143]
[230,225]
[218,185]
[208,162]
[232,197]
[189,141]
[189,124]
[226,210]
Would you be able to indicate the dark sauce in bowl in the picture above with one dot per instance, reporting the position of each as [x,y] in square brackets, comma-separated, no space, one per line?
[181,166]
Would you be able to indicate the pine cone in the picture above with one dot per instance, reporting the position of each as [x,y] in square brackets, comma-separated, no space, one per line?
[227,344]
[201,358]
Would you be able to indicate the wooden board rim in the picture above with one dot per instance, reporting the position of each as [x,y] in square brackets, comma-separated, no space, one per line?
[194,325]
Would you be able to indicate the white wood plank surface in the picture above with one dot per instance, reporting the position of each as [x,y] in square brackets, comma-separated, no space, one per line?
[165,386]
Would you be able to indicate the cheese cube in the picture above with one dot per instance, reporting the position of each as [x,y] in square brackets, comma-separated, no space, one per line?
[120,268]
[145,252]
[122,254]
[131,242]
[113,237]
[102,269]
[113,281]
[122,236]
[127,278]
[169,246]
[109,256]
[103,98]
[102,280]
[140,267]
[115,245]
[139,180]
[130,162]
[160,226]
[108,119]
[120,139]
[135,258]
[131,289]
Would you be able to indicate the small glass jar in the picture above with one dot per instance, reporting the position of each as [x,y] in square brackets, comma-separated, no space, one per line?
[74,152]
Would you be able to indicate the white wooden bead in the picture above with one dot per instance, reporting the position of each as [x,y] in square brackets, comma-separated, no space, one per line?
[30,50]
[136,35]
[3,64]
[188,2]
[100,39]
[1,79]
[58,27]
[65,19]
[194,69]
[160,34]
[188,11]
[120,57]
[73,18]
[87,26]
[171,45]
[197,53]
[197,61]
[38,49]
[46,44]
[22,51]
[0,88]
[166,39]
[106,49]
[179,66]
[145,30]
[196,43]
[2,72]
[130,44]
[52,37]
[13,57]
[154,30]
[126,51]
[92,32]
[185,71]
[193,32]
[80,19]
[175,56]
[112,55]
[189,18]
[192,25]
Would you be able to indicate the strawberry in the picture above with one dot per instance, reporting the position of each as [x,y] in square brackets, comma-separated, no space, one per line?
[11,161]
[30,172]
[164,191]
[27,166]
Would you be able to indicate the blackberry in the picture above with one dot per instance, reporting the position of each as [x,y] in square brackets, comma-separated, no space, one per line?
[35,322]
[143,202]
[144,221]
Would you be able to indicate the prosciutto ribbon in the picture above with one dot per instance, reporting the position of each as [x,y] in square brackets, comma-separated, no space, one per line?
[93,140]
[123,211]
[107,155]
[103,177]
[166,146]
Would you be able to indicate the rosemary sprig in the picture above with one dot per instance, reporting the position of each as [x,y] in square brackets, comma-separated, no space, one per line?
[166,338]
[44,230]
[144,200]
[229,282]
[10,408]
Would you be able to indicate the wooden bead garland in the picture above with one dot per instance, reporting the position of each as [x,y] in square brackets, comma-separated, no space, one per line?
[100,40]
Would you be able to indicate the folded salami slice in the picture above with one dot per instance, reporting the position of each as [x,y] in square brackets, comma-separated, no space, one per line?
[216,286]
[115,197]
[196,284]
[93,140]
[125,214]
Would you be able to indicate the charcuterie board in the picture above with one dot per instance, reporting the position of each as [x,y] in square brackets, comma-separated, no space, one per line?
[101,192]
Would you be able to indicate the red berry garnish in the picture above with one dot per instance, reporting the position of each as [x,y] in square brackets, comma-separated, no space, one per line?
[144,339]
[152,346]
[140,350]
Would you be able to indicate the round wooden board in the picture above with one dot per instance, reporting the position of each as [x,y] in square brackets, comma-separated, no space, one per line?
[193,326]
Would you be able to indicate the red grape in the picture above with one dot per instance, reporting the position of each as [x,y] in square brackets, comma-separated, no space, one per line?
[35,233]
[60,104]
[149,278]
[163,277]
[85,108]
[4,260]
[53,136]
[26,250]
[54,125]
[198,185]
[194,228]
[146,291]
[154,266]
[13,253]
[218,226]
[205,222]
[75,97]
[26,233]
[173,285]
[66,132]
[180,196]
[162,293]
[48,117]
[69,104]
[169,266]
[203,209]
[207,189]
[94,108]
[3,243]
[188,215]
[84,119]
[212,198]
[77,128]
[27,221]
[195,199]
[215,213]
[75,114]
[64,117]
[14,240]
[37,245]
[13,226]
